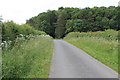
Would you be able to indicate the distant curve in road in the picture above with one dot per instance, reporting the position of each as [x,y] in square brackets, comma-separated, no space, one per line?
[71,62]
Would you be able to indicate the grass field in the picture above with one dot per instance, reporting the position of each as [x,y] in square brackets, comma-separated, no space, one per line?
[31,59]
[104,49]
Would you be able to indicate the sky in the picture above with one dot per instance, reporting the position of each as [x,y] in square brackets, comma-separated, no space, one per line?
[21,10]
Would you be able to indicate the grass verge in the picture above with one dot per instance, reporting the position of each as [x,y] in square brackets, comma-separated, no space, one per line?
[31,59]
[99,48]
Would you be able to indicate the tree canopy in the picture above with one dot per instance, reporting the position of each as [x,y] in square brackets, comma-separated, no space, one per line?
[58,23]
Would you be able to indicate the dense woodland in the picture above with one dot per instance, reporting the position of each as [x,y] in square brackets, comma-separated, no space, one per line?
[58,23]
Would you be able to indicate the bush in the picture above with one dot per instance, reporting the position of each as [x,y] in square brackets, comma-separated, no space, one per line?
[10,31]
[108,34]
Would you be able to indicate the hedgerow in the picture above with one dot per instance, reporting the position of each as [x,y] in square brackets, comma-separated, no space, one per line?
[11,30]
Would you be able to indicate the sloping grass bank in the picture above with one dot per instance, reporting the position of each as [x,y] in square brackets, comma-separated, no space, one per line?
[101,48]
[31,59]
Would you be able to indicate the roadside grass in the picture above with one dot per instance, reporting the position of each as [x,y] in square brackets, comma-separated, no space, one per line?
[0,63]
[101,49]
[31,59]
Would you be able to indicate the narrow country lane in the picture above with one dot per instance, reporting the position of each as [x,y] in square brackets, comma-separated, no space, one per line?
[71,62]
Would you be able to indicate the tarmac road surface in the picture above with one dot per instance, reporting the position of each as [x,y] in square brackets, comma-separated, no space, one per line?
[71,62]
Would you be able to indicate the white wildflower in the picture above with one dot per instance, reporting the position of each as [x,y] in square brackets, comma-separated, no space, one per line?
[1,45]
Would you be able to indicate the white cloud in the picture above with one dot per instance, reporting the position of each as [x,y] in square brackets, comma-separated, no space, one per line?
[20,10]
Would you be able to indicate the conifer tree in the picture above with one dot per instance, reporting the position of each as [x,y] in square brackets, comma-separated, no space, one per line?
[60,26]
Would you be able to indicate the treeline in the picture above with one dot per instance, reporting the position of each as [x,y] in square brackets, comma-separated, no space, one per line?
[58,23]
[11,30]
[0,29]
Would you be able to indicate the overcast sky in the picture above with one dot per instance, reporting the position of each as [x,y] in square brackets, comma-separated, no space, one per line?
[21,10]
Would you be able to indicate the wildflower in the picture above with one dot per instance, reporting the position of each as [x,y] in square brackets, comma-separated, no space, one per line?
[21,35]
[1,45]
[5,42]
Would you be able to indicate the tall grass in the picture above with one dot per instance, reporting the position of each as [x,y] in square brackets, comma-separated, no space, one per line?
[0,48]
[30,59]
[99,45]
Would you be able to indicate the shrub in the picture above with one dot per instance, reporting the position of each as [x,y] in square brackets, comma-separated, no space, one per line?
[108,34]
[11,30]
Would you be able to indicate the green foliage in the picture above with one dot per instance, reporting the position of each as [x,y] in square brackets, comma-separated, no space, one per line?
[60,26]
[10,31]
[102,45]
[69,26]
[108,34]
[117,18]
[0,48]
[30,59]
[44,22]
[0,29]
[77,25]
[76,20]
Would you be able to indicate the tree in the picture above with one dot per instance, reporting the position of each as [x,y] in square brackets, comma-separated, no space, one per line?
[0,29]
[64,20]
[51,19]
[60,27]
[81,25]
[60,8]
[118,18]
[69,26]
[45,22]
